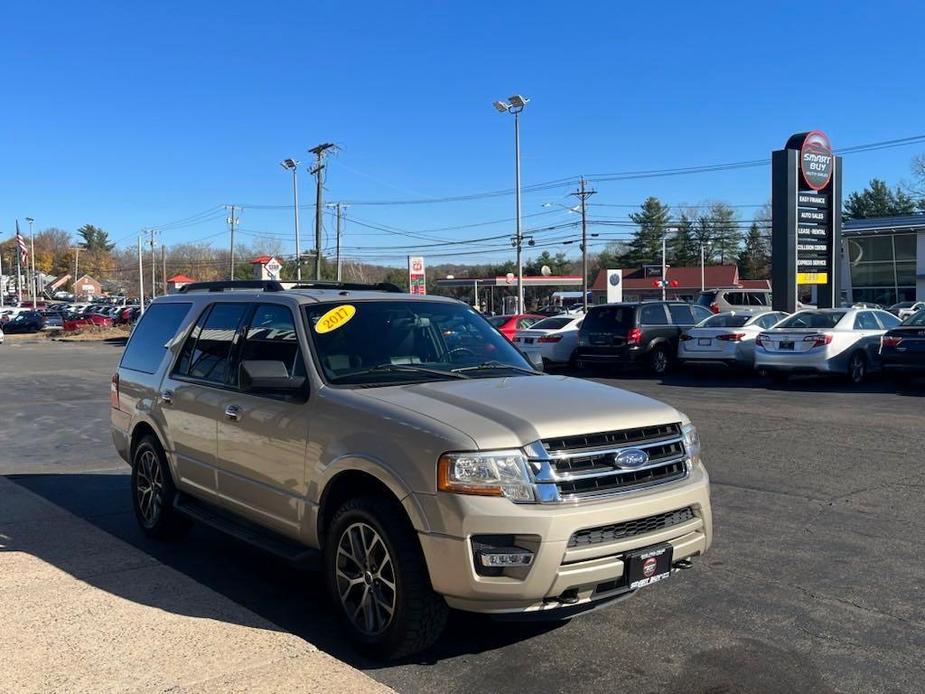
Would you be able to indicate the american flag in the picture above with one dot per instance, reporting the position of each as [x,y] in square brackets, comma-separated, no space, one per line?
[23,249]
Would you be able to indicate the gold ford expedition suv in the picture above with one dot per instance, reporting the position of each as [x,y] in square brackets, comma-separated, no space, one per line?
[406,446]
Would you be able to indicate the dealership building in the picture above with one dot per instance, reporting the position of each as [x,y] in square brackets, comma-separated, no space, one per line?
[883,259]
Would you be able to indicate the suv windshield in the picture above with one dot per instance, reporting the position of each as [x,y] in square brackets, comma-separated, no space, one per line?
[384,342]
[606,318]
[812,319]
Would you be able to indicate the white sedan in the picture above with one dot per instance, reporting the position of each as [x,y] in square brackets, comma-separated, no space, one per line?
[552,339]
[727,337]
[842,341]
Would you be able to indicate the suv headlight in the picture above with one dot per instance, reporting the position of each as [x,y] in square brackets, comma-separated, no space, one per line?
[492,473]
[691,442]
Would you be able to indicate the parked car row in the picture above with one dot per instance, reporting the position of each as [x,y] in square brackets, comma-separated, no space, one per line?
[850,342]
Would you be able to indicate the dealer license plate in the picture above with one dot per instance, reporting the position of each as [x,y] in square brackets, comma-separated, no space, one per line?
[786,345]
[528,340]
[647,566]
[704,341]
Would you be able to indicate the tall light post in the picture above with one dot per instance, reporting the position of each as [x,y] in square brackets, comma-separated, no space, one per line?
[293,166]
[515,104]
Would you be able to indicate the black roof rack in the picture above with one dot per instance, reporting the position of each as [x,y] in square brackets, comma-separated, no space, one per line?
[277,286]
[222,285]
[349,286]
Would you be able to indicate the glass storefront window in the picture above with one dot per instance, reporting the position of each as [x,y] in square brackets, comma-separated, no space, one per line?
[905,247]
[883,268]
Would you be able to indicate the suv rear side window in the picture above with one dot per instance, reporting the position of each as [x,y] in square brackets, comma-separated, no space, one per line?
[681,314]
[148,344]
[705,299]
[652,314]
[736,299]
[206,353]
[604,318]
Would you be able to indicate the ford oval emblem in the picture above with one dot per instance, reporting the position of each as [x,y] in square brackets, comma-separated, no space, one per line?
[631,458]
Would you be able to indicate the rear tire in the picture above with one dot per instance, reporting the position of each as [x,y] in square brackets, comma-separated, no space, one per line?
[857,369]
[153,492]
[376,573]
[659,361]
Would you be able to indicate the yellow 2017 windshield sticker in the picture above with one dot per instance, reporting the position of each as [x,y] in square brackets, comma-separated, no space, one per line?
[335,318]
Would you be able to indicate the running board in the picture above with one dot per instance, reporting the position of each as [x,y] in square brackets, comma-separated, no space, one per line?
[245,531]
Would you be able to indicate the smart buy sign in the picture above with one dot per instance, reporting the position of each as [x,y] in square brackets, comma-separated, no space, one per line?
[816,160]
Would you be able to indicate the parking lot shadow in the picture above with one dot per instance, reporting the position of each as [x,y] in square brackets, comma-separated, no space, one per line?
[294,599]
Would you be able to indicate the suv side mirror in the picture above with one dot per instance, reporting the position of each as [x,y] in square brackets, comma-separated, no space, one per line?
[265,375]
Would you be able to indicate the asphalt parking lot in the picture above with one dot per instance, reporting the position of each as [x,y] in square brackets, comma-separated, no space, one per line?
[815,582]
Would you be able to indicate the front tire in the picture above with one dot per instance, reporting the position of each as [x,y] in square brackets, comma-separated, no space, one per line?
[376,573]
[153,493]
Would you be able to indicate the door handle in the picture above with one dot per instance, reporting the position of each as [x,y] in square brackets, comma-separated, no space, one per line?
[233,412]
[167,397]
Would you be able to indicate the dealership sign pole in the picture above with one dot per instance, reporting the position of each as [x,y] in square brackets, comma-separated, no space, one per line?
[806,221]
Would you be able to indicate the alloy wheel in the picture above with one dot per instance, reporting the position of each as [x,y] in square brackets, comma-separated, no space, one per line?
[365,578]
[149,487]
[856,369]
[659,361]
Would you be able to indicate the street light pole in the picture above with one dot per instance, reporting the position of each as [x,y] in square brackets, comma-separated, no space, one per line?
[515,105]
[293,166]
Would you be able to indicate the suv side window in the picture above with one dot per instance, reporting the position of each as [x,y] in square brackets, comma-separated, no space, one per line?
[271,336]
[206,354]
[681,314]
[652,314]
[757,299]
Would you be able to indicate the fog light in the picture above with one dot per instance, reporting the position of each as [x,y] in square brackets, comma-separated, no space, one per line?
[494,554]
[502,557]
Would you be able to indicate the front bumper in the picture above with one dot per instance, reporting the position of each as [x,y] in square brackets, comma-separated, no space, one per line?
[560,577]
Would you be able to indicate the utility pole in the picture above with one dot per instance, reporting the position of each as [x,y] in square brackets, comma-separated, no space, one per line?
[583,194]
[340,216]
[164,268]
[76,250]
[317,171]
[232,221]
[2,283]
[141,277]
[151,242]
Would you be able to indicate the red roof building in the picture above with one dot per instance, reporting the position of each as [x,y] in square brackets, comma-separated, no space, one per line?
[642,282]
[174,283]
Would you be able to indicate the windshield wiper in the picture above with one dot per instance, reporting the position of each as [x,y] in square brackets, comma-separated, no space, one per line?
[494,365]
[402,368]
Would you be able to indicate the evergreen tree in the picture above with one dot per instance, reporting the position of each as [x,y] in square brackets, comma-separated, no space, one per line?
[684,249]
[646,245]
[755,259]
[878,200]
[94,238]
[727,237]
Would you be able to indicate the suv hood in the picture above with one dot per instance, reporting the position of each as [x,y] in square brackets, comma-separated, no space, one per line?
[513,411]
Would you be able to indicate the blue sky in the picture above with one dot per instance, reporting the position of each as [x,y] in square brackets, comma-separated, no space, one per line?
[129,115]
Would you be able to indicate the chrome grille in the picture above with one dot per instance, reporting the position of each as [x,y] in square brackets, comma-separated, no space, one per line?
[585,466]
